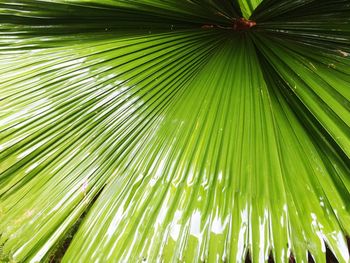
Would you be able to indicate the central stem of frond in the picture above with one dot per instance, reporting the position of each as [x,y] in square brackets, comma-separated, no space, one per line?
[243,24]
[239,24]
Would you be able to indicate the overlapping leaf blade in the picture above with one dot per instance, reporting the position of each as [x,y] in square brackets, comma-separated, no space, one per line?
[177,142]
[248,6]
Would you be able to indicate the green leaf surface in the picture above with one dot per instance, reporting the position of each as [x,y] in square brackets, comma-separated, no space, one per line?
[248,6]
[171,136]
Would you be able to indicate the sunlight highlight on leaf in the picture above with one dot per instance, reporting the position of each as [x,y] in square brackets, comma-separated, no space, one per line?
[173,135]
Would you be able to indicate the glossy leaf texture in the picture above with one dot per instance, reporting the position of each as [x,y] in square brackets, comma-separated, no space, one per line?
[161,134]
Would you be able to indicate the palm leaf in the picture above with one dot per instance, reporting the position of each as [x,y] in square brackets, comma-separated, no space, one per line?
[159,131]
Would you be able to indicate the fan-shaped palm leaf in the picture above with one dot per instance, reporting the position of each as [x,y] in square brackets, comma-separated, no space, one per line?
[174,130]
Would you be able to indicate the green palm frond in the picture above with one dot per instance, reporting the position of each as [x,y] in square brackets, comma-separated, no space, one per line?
[248,6]
[166,131]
